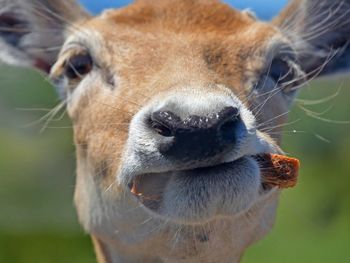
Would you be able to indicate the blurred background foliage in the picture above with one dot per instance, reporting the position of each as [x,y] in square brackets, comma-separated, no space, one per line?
[38,223]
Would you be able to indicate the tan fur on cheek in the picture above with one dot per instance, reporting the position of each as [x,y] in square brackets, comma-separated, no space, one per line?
[100,131]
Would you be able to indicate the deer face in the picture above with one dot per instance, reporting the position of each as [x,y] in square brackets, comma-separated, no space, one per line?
[171,113]
[170,102]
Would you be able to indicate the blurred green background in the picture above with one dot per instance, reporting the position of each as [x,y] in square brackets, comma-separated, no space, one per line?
[38,221]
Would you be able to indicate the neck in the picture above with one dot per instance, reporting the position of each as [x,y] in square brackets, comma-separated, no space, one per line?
[222,240]
[107,252]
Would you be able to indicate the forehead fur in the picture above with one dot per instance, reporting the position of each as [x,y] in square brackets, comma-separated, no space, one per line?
[207,34]
[208,16]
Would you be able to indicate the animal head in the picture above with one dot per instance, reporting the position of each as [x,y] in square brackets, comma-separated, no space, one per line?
[170,102]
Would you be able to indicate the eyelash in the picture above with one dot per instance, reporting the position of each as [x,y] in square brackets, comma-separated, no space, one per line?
[78,66]
[282,73]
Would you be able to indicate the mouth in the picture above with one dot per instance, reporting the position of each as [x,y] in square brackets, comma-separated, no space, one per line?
[226,188]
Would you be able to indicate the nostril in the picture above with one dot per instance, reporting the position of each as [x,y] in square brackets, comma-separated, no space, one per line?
[161,129]
[228,114]
[164,123]
[230,119]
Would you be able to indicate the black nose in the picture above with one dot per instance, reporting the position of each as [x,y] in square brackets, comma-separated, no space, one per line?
[197,137]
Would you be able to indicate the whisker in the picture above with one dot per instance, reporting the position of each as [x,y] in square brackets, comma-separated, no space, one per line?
[272,119]
[280,126]
[47,117]
[319,101]
[286,132]
[316,116]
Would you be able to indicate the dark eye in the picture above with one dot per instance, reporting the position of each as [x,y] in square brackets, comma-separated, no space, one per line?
[12,29]
[281,71]
[78,66]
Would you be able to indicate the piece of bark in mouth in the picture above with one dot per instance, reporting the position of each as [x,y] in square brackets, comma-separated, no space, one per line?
[278,170]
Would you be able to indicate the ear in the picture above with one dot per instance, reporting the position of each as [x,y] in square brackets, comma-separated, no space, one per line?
[32,31]
[320,33]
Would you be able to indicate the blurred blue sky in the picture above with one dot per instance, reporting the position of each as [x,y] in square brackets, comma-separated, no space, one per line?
[265,9]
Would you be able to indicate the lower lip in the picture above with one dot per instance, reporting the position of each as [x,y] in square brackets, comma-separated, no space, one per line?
[164,177]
